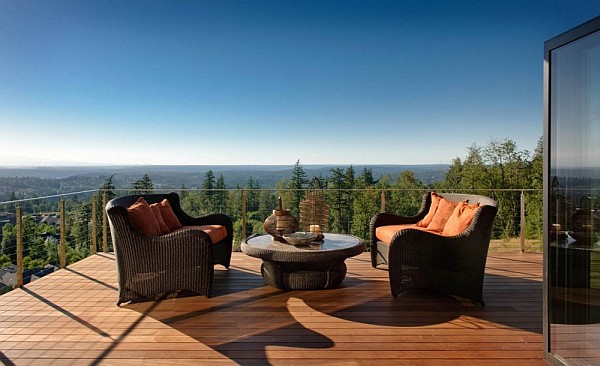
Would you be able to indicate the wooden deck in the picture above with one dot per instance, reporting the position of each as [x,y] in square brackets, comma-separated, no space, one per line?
[70,317]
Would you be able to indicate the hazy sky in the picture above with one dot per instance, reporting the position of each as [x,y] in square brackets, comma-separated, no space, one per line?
[271,82]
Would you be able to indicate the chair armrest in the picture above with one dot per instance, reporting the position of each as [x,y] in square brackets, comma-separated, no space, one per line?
[384,219]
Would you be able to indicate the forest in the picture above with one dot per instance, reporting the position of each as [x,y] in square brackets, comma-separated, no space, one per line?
[498,170]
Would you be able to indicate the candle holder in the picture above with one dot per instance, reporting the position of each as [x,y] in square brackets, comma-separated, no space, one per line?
[314,210]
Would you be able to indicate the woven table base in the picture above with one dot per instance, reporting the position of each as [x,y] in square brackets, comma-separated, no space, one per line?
[303,276]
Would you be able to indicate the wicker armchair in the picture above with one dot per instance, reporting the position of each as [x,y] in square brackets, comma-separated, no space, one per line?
[181,260]
[419,259]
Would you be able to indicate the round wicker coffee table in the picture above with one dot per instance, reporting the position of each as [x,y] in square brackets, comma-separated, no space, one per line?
[309,267]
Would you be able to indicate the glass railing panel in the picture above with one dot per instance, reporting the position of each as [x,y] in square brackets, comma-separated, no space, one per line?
[517,225]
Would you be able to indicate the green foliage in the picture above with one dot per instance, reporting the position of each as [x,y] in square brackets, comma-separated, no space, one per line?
[406,196]
[9,241]
[497,169]
[297,183]
[5,261]
[365,205]
[142,185]
[29,263]
[220,199]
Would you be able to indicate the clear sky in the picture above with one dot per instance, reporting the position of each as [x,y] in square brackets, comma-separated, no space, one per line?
[271,82]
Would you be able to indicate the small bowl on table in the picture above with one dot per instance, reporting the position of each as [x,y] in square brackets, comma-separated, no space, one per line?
[299,238]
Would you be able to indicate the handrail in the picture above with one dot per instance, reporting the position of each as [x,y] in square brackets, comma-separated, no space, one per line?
[99,222]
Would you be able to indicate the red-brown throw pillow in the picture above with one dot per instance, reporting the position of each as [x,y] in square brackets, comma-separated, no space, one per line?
[143,218]
[442,214]
[435,200]
[169,216]
[164,229]
[460,219]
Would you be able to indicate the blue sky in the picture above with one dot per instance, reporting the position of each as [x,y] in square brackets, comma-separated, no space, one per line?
[271,82]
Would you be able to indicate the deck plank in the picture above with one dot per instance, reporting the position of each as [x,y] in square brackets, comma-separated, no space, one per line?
[71,317]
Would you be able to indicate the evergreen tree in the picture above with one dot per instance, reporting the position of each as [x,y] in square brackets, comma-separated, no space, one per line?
[208,193]
[453,175]
[183,192]
[406,198]
[9,241]
[209,181]
[252,201]
[297,183]
[534,200]
[79,225]
[221,195]
[267,202]
[349,183]
[143,185]
[366,177]
[336,198]
[366,204]
[108,188]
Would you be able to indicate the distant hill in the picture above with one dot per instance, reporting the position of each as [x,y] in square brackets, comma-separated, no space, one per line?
[28,182]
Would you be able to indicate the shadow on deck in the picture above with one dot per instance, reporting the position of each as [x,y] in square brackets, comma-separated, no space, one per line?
[71,317]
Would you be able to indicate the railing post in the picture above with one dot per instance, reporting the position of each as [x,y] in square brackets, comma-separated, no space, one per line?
[63,234]
[104,225]
[243,216]
[94,228]
[382,201]
[522,222]
[19,246]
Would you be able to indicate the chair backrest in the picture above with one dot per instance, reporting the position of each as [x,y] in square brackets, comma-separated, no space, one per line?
[173,198]
[471,198]
[126,201]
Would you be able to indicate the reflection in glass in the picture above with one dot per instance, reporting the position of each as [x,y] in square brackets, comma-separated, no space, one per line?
[574,202]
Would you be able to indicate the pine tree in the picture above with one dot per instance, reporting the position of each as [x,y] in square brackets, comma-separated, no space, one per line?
[366,176]
[221,195]
[208,193]
[297,183]
[336,198]
[143,185]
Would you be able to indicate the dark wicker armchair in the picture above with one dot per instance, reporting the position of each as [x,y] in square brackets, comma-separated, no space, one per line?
[181,260]
[418,259]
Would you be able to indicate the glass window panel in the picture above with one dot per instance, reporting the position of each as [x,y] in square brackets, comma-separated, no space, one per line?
[574,204]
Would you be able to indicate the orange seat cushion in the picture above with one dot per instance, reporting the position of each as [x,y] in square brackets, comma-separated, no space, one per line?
[215,232]
[385,233]
[143,218]
[442,214]
[168,215]
[460,219]
[164,229]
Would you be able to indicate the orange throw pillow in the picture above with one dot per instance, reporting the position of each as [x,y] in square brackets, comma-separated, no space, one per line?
[442,214]
[142,218]
[164,229]
[461,219]
[169,216]
[435,200]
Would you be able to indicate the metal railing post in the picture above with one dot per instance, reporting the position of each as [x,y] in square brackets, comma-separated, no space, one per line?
[243,216]
[522,222]
[19,246]
[94,228]
[104,225]
[63,234]
[382,201]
